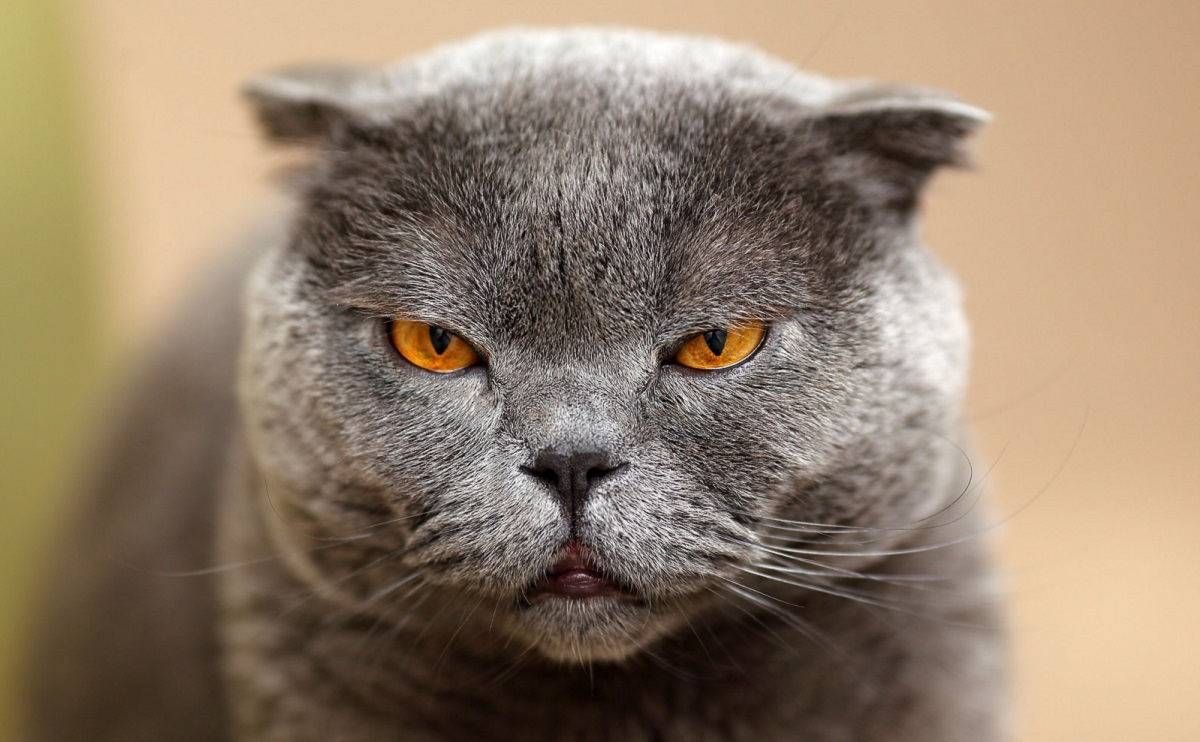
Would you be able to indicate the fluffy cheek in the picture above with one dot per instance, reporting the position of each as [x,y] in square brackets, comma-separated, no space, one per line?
[353,444]
[663,531]
[489,532]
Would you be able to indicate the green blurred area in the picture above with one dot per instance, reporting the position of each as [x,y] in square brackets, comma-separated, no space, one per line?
[48,326]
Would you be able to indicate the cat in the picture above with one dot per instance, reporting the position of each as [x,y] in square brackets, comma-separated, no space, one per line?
[598,387]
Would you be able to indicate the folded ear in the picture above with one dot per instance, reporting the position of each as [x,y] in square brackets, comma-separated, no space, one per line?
[891,139]
[304,104]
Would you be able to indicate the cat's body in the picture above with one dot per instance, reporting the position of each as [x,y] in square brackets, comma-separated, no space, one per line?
[390,543]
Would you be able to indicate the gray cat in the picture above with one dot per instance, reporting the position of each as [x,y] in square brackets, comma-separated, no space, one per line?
[598,388]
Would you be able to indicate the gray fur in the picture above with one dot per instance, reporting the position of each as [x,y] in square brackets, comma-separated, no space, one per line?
[575,204]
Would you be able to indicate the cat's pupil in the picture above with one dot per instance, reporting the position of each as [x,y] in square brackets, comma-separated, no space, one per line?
[440,339]
[716,341]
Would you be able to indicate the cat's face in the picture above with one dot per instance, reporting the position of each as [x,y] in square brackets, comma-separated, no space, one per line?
[575,218]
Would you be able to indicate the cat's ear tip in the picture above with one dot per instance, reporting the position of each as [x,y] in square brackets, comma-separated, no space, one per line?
[907,132]
[305,81]
[971,115]
[979,116]
[864,97]
[270,91]
[300,103]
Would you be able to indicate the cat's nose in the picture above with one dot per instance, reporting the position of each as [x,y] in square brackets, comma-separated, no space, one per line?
[572,470]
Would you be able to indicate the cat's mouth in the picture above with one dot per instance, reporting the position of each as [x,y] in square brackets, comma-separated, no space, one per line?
[576,575]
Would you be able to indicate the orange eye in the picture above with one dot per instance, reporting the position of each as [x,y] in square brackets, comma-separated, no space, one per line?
[721,348]
[432,348]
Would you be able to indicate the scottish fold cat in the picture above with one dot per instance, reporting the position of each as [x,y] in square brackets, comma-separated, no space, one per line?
[598,387]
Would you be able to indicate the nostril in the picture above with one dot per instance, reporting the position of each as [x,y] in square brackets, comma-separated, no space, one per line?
[572,470]
[546,475]
[599,472]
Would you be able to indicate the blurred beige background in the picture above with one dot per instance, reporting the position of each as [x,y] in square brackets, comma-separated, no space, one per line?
[1077,239]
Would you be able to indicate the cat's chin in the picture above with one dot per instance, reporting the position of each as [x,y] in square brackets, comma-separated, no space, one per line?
[605,628]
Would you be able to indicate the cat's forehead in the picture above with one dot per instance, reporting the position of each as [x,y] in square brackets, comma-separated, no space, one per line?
[548,193]
[597,182]
[590,221]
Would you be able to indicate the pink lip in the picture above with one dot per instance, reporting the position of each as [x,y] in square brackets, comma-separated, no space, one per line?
[575,575]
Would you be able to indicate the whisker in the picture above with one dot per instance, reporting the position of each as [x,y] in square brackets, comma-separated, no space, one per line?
[779,608]
[790,550]
[771,609]
[449,642]
[331,542]
[397,627]
[664,664]
[317,591]
[393,587]
[515,666]
[809,527]
[362,533]
[857,596]
[830,570]
[220,567]
[916,582]
[683,614]
[1062,465]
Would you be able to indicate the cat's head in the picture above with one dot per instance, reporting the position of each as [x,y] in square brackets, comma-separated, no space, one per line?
[565,318]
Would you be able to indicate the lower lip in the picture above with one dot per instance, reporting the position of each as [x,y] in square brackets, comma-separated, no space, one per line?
[578,583]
